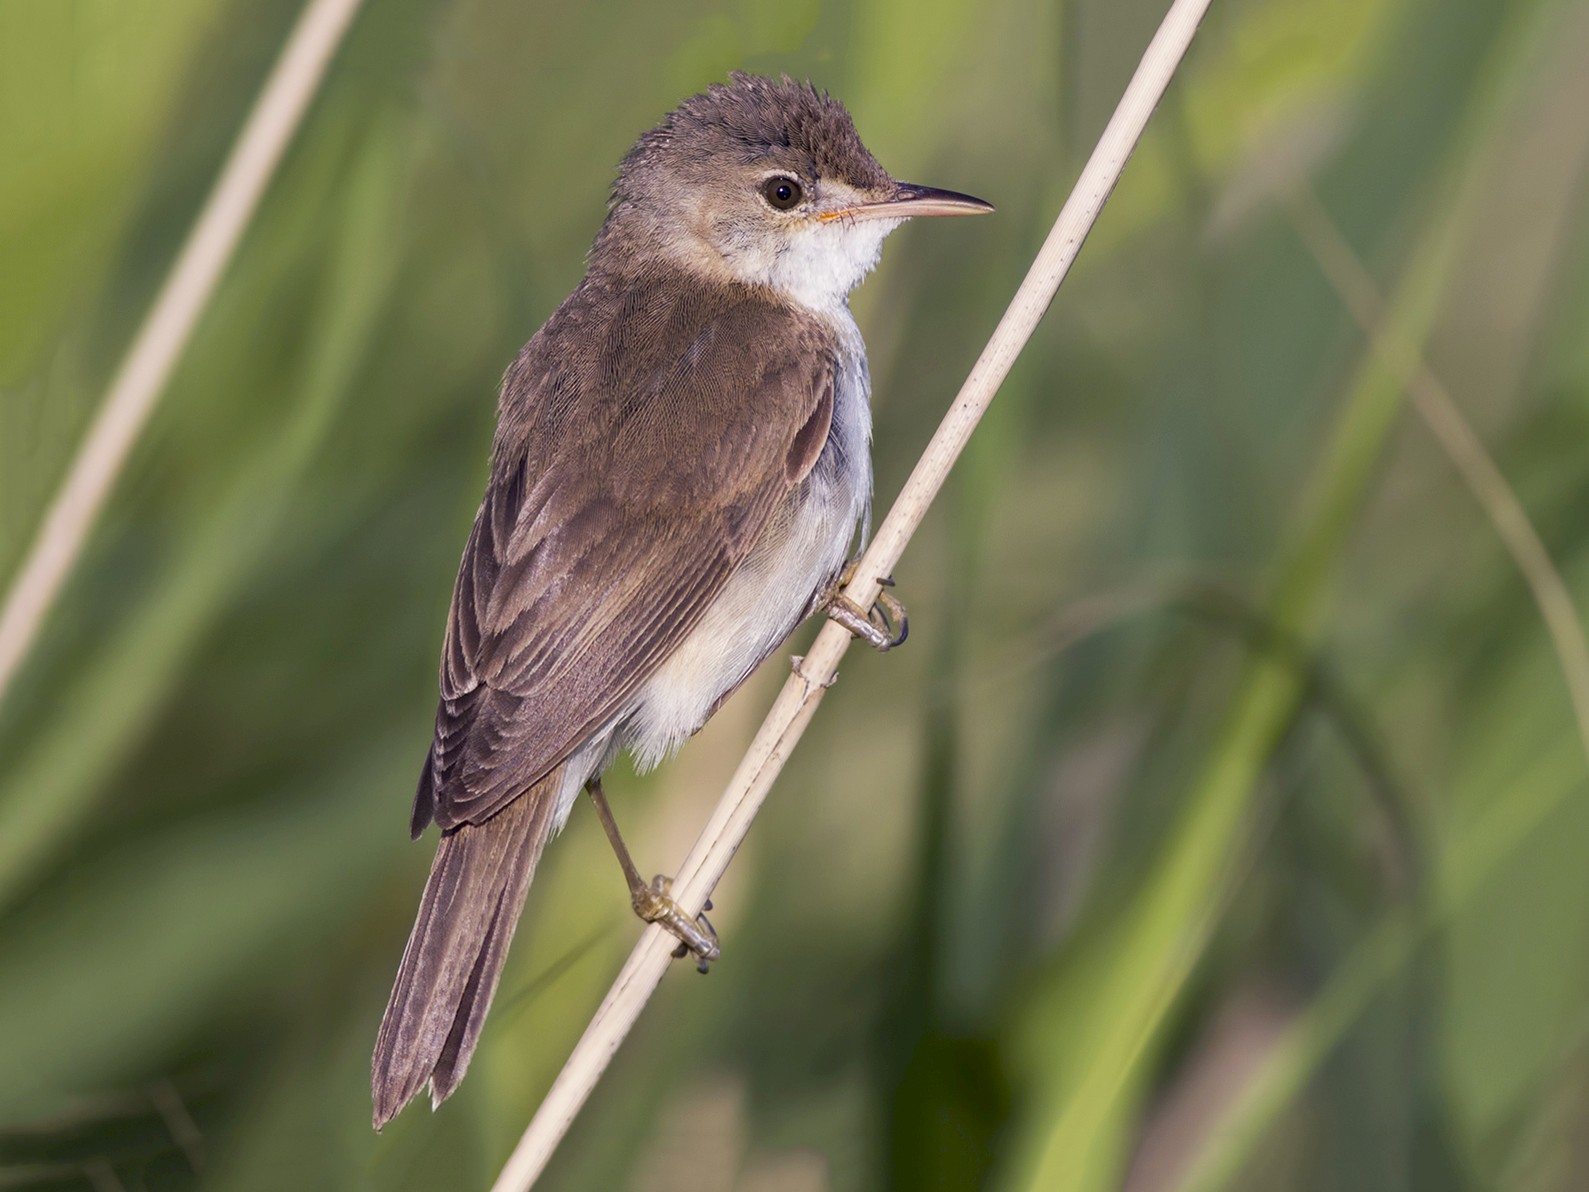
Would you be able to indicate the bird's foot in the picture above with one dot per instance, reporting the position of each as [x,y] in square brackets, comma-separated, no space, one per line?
[874,626]
[696,936]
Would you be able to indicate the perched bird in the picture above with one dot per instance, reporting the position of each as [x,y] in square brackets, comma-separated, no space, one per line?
[679,470]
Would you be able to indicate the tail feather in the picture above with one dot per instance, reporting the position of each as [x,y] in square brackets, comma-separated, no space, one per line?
[455,952]
[453,1061]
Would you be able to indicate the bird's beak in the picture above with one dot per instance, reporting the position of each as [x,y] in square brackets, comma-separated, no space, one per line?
[910,200]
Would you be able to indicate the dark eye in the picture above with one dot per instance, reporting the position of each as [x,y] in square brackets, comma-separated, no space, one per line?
[782,193]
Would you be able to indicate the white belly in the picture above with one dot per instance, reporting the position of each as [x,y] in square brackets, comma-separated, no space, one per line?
[801,553]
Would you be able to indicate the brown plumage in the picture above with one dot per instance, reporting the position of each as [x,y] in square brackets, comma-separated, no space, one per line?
[600,488]
[679,468]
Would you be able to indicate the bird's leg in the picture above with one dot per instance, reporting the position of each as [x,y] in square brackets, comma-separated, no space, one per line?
[874,626]
[652,901]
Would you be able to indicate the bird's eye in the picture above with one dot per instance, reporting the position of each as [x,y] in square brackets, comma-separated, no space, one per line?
[782,193]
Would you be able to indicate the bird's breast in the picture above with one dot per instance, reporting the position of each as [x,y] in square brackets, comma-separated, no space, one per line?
[801,552]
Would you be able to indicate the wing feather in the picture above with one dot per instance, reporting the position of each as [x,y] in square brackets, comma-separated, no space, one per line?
[629,481]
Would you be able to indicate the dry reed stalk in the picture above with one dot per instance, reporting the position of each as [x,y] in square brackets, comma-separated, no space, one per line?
[1345,272]
[168,326]
[797,702]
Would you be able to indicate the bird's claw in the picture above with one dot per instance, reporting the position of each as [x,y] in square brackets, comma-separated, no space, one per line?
[876,625]
[696,936]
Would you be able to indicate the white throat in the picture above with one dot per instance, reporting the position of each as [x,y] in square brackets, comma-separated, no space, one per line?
[820,264]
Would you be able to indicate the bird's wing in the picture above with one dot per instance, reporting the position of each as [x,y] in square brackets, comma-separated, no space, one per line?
[611,522]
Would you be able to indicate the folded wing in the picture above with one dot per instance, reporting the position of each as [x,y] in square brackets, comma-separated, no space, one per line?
[646,437]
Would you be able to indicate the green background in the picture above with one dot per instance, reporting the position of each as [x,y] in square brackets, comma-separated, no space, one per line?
[1224,823]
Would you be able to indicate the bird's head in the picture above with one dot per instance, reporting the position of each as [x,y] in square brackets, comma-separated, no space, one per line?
[764,183]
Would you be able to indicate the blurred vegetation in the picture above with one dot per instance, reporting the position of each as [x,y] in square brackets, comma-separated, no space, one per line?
[1223,825]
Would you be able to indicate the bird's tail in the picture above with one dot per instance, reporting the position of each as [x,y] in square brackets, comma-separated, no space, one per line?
[454,955]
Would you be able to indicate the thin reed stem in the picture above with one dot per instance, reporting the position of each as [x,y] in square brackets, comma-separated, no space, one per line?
[169,325]
[798,700]
[1484,479]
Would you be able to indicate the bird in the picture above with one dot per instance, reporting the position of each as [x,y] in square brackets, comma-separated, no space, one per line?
[680,467]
